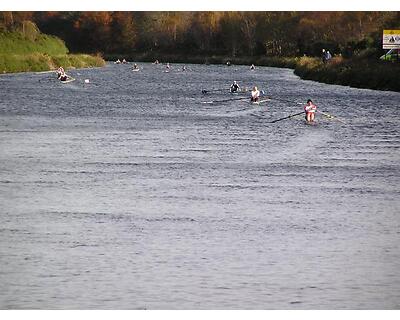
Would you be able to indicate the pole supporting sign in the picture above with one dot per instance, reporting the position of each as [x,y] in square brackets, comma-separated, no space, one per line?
[391,39]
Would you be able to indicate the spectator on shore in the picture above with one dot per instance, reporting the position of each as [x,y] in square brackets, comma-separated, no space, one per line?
[328,56]
[323,56]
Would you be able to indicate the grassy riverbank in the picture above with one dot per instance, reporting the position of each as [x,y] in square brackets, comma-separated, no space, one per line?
[43,62]
[39,52]
[355,72]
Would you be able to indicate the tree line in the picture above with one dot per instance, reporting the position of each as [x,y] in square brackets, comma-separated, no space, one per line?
[213,33]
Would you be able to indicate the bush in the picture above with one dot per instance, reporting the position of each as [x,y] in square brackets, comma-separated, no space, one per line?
[17,43]
[357,72]
[30,50]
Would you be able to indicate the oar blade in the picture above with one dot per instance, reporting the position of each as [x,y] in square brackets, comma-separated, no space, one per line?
[287,117]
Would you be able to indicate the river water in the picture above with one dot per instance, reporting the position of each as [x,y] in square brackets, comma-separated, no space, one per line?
[128,192]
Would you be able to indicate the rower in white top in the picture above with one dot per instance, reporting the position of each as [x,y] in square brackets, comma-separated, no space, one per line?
[255,95]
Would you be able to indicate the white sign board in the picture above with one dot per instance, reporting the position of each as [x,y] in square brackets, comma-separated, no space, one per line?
[391,39]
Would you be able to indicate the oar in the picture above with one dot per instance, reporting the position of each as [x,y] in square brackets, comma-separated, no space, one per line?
[284,100]
[287,117]
[257,116]
[212,90]
[330,116]
[225,100]
[224,89]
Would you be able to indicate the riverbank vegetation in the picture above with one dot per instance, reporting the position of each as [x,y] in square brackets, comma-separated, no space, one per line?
[235,34]
[25,48]
[357,72]
[280,39]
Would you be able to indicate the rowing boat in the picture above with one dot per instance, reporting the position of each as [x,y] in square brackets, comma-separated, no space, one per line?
[68,81]
[259,101]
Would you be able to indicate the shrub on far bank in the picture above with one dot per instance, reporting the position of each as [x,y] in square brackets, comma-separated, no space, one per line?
[78,61]
[357,72]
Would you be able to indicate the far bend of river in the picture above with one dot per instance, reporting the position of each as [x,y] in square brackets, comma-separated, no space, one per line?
[128,192]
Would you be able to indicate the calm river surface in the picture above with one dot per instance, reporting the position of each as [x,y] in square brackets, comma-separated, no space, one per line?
[130,193]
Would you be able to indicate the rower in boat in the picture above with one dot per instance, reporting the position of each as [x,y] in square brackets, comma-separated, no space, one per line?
[60,71]
[124,61]
[135,67]
[156,62]
[252,67]
[234,87]
[310,108]
[167,67]
[184,68]
[118,61]
[63,76]
[255,95]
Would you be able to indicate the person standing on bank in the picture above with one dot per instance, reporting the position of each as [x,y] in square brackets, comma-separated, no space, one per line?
[323,56]
[328,56]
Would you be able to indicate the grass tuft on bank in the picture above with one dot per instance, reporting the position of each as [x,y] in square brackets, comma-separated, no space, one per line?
[43,62]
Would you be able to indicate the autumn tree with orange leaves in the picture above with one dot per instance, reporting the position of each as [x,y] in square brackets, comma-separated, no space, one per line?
[228,33]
